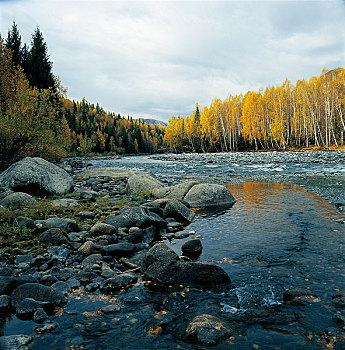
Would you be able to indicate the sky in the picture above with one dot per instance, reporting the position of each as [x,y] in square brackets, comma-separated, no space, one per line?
[155,59]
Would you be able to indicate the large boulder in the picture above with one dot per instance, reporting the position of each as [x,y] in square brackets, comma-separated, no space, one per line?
[209,195]
[38,292]
[163,265]
[135,216]
[17,199]
[177,191]
[142,183]
[36,176]
[177,210]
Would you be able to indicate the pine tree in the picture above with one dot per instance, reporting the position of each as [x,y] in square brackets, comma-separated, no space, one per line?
[40,68]
[13,43]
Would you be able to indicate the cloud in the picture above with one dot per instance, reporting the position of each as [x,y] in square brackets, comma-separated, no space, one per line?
[155,59]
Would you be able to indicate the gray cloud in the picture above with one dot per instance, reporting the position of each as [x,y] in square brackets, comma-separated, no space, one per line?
[155,59]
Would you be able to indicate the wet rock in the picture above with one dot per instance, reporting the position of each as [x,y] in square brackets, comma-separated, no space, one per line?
[109,309]
[38,292]
[100,229]
[15,342]
[26,279]
[67,225]
[86,277]
[48,279]
[17,199]
[40,315]
[91,287]
[299,295]
[177,210]
[142,183]
[62,287]
[63,274]
[7,285]
[207,330]
[209,195]
[339,320]
[53,236]
[178,191]
[5,302]
[192,248]
[135,216]
[27,259]
[66,203]
[164,265]
[92,259]
[28,306]
[87,248]
[47,327]
[73,283]
[338,300]
[117,282]
[120,249]
[22,221]
[36,176]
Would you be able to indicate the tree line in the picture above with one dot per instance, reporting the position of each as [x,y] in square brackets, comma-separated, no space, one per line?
[309,113]
[37,119]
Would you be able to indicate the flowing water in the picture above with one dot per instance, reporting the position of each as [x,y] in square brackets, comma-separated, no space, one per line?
[275,237]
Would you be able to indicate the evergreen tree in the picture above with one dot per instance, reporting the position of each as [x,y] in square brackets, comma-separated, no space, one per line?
[40,68]
[13,43]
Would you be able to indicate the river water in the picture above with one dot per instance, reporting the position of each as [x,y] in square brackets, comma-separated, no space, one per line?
[275,237]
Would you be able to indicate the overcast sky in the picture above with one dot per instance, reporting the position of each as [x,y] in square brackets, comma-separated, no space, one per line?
[155,59]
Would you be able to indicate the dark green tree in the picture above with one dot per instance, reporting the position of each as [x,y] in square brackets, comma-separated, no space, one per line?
[40,68]
[14,43]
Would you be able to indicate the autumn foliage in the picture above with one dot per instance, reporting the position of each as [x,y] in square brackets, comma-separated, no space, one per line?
[309,113]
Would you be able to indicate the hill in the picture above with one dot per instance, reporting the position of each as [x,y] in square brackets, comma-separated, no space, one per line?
[154,122]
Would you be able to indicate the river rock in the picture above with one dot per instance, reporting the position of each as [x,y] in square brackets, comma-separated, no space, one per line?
[209,195]
[192,248]
[67,225]
[17,199]
[92,259]
[142,183]
[62,287]
[5,302]
[100,229]
[135,216]
[120,249]
[299,295]
[40,315]
[87,248]
[164,265]
[28,306]
[207,330]
[53,236]
[177,191]
[15,342]
[117,282]
[22,221]
[177,210]
[39,292]
[36,176]
[7,285]
[66,203]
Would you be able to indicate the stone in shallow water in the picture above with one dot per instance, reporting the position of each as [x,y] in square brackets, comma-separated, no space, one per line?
[40,315]
[192,248]
[14,342]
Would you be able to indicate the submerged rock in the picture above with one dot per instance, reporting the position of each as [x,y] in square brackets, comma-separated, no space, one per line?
[164,265]
[36,176]
[14,342]
[299,295]
[207,330]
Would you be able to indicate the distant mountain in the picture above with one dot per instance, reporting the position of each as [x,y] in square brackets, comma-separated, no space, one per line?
[154,122]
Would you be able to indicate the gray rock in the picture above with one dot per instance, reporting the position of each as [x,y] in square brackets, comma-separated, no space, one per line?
[120,249]
[22,221]
[206,330]
[62,287]
[53,236]
[17,199]
[87,248]
[177,210]
[36,176]
[100,229]
[92,259]
[86,277]
[88,195]
[73,283]
[48,279]
[28,306]
[47,327]
[40,315]
[39,292]
[5,301]
[164,265]
[299,295]
[66,203]
[59,252]
[209,195]
[117,282]
[142,183]
[178,191]
[15,342]
[109,309]
[67,225]
[91,287]
[136,216]
[7,285]
[86,215]
[111,172]
[27,259]
[192,248]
